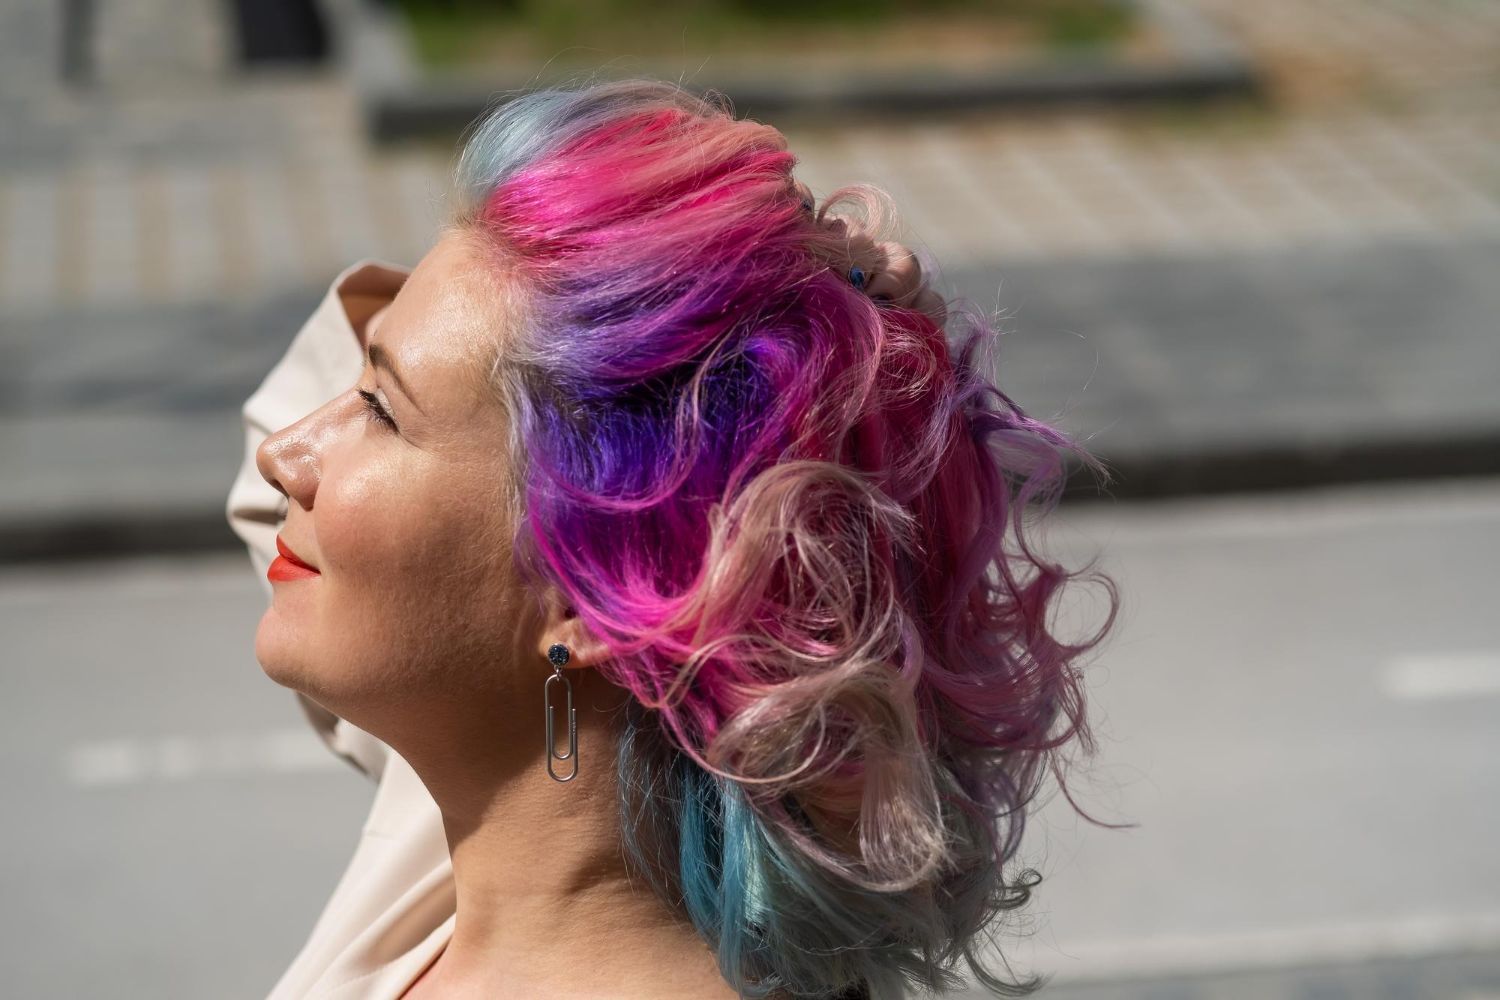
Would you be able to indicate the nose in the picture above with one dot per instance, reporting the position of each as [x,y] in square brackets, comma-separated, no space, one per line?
[292,458]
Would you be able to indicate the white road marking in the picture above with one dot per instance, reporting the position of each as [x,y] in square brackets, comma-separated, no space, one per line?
[1431,676]
[177,758]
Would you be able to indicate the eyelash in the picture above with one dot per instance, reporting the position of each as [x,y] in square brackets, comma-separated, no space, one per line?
[374,409]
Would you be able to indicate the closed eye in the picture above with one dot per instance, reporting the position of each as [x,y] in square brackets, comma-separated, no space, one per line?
[374,408]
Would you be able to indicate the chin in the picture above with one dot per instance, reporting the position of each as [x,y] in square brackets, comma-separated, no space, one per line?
[281,656]
[341,683]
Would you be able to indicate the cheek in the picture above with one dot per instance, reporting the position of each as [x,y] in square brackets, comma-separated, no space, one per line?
[319,636]
[372,522]
[408,574]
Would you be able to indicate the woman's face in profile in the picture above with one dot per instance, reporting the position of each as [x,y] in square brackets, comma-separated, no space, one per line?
[395,498]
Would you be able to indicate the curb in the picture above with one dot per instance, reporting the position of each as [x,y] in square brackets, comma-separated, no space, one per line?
[400,102]
[113,534]
[116,534]
[1277,468]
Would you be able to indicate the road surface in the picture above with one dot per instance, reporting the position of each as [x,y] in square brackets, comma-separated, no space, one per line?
[1300,707]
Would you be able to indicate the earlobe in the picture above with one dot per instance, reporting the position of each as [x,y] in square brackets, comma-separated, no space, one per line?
[589,653]
[563,626]
[583,650]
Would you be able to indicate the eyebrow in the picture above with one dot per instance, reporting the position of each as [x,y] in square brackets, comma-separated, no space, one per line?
[381,358]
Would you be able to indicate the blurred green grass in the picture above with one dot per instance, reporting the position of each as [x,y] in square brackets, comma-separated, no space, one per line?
[456,33]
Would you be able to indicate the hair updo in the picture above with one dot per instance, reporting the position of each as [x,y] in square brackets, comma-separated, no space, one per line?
[795,516]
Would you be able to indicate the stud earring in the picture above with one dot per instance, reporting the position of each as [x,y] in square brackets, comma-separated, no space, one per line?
[557,655]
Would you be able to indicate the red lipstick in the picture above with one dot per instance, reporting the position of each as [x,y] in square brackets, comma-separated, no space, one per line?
[287,566]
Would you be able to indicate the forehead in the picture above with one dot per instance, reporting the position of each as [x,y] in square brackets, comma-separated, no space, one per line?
[449,317]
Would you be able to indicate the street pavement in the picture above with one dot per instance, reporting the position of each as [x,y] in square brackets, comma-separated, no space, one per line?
[1300,707]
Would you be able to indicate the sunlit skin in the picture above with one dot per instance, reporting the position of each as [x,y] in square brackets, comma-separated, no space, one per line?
[414,629]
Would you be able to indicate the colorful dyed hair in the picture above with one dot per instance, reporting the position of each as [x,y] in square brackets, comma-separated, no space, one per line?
[795,515]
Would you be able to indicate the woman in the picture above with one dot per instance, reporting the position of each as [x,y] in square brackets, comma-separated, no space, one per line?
[666,566]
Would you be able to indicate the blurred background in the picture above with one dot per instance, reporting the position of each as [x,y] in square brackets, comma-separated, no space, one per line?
[1248,253]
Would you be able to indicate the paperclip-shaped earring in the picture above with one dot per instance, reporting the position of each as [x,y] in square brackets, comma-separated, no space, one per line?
[557,654]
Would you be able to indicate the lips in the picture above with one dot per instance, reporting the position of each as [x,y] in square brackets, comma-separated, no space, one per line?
[288,566]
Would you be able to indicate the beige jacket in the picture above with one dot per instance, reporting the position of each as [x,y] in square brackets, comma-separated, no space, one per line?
[392,911]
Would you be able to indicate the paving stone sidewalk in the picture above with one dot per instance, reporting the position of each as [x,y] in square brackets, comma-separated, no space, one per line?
[1244,300]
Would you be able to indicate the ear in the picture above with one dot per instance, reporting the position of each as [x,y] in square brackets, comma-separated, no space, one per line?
[562,624]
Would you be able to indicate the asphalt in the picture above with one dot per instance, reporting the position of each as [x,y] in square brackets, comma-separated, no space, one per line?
[1297,708]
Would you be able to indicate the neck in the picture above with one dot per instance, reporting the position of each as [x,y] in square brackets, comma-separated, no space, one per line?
[546,904]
